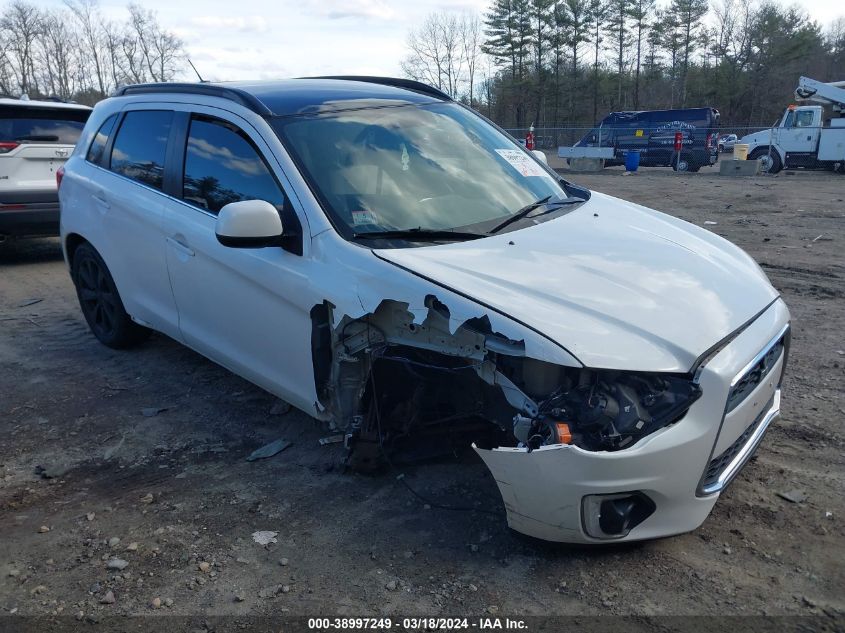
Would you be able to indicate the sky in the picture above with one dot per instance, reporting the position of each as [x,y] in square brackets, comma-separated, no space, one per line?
[255,39]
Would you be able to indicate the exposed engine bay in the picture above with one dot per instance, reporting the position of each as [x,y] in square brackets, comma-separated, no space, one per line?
[407,390]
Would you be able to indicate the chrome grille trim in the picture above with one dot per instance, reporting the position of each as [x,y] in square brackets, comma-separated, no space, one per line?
[722,469]
[755,376]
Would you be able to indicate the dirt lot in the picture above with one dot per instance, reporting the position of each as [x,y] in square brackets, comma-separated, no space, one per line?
[175,489]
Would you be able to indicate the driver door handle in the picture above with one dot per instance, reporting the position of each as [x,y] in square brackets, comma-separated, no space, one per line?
[181,246]
[100,199]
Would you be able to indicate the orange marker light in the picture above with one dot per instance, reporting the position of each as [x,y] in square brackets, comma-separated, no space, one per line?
[564,435]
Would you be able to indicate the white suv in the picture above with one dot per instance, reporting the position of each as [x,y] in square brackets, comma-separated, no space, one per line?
[36,138]
[395,265]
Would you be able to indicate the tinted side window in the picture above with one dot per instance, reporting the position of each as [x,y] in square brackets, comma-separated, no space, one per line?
[98,145]
[140,146]
[222,166]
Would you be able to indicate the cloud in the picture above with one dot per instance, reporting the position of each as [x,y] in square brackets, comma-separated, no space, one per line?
[224,156]
[340,9]
[228,63]
[246,24]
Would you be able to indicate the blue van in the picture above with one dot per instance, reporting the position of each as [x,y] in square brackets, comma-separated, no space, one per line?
[652,132]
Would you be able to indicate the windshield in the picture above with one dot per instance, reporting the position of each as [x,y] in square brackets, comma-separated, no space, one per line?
[435,167]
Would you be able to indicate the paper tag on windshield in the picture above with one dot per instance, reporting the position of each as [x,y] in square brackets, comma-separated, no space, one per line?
[363,217]
[525,165]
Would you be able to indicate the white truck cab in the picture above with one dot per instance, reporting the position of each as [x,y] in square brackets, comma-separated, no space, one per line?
[804,137]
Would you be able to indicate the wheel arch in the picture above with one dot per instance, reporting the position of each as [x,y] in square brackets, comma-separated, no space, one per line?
[764,149]
[72,242]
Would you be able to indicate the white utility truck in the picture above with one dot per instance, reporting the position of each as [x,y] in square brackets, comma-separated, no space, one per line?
[804,138]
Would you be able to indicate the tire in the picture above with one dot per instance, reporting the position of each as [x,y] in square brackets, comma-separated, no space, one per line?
[684,164]
[767,165]
[100,302]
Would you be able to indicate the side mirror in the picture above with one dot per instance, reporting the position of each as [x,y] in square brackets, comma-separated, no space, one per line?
[249,224]
[537,153]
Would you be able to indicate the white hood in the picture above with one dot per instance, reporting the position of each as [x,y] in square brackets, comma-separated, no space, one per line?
[763,137]
[618,285]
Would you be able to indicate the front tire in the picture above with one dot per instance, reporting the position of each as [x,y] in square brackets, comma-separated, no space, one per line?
[769,163]
[100,302]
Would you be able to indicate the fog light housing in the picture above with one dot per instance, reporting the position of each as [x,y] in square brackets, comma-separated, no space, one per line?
[614,516]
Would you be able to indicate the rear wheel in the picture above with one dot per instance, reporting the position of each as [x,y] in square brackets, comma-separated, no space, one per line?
[769,162]
[100,301]
[684,164]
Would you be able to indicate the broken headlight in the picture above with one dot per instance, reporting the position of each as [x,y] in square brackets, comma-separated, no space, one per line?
[607,410]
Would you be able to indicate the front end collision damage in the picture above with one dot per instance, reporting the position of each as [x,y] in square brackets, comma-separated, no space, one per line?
[404,381]
[450,369]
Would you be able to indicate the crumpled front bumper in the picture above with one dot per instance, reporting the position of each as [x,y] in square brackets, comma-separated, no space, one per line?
[544,489]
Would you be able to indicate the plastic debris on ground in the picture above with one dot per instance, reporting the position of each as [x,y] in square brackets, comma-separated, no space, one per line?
[268,450]
[265,537]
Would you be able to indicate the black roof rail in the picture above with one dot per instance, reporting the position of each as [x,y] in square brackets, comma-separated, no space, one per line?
[407,84]
[237,95]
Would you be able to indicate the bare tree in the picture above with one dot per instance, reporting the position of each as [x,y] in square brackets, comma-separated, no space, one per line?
[470,37]
[56,55]
[444,52]
[21,25]
[87,15]
[113,41]
[74,53]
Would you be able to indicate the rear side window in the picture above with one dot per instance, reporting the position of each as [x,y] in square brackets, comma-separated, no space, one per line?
[141,145]
[222,166]
[98,145]
[41,125]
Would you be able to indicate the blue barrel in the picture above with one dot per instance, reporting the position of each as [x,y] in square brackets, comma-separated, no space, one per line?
[632,159]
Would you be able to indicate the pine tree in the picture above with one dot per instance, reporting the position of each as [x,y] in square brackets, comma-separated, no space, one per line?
[597,19]
[577,22]
[618,11]
[508,30]
[542,21]
[688,14]
[640,11]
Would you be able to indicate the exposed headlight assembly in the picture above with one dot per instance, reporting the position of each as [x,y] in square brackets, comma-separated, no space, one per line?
[601,410]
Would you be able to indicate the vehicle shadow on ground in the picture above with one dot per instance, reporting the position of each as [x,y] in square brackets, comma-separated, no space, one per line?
[30,251]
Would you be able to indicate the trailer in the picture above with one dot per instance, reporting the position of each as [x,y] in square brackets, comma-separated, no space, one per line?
[803,136]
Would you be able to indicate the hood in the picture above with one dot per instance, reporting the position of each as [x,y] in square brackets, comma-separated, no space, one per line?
[763,137]
[618,285]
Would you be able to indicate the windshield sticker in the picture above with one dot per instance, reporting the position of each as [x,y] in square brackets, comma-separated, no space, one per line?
[362,217]
[522,163]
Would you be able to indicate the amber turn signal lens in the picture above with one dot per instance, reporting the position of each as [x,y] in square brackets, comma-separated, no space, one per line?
[564,435]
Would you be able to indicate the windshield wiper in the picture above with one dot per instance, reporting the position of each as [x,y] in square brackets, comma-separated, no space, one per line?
[47,138]
[420,235]
[524,211]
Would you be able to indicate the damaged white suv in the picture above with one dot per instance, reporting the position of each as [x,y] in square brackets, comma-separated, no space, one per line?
[393,264]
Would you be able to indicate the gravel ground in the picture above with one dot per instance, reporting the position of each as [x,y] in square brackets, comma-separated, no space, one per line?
[124,487]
